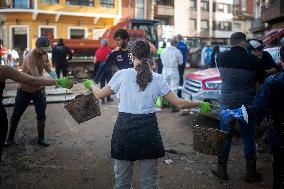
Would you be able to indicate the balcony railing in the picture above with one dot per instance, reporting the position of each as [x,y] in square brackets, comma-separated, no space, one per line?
[16,4]
[272,11]
[164,10]
[107,3]
[89,3]
[257,25]
[50,1]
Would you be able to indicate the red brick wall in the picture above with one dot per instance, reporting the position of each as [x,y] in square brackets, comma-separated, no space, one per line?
[250,6]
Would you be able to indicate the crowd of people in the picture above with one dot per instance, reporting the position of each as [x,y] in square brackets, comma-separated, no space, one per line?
[128,71]
[137,87]
[241,67]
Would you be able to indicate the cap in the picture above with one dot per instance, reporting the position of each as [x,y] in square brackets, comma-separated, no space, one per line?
[255,45]
[43,43]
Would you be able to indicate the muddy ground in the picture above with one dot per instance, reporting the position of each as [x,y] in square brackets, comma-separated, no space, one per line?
[79,155]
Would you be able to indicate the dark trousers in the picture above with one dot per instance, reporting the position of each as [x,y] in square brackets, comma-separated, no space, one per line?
[278,169]
[96,68]
[159,65]
[3,128]
[106,77]
[23,99]
[61,68]
[181,73]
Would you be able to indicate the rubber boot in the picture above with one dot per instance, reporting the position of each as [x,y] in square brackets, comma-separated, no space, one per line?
[40,131]
[221,171]
[12,130]
[252,175]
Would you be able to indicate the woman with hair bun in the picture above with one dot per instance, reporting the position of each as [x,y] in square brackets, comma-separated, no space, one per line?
[136,134]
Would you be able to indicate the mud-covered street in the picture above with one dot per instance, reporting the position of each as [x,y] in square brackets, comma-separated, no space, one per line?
[79,155]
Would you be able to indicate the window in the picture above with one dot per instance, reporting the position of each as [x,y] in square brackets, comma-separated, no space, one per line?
[205,6]
[226,8]
[244,5]
[107,3]
[81,2]
[139,8]
[51,1]
[204,25]
[221,7]
[237,26]
[47,31]
[192,24]
[193,5]
[222,26]
[77,33]
[19,37]
[21,4]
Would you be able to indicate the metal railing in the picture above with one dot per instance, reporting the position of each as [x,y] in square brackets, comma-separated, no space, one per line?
[107,3]
[50,1]
[89,3]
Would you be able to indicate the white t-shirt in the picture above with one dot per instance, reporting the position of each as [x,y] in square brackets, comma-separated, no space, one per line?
[131,100]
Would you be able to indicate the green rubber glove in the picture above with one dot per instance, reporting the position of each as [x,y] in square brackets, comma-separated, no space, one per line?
[88,83]
[64,82]
[158,102]
[204,107]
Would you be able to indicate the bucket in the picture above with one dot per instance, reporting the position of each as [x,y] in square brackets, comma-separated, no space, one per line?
[83,107]
[208,141]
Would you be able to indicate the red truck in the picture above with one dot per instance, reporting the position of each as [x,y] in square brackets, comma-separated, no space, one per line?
[203,85]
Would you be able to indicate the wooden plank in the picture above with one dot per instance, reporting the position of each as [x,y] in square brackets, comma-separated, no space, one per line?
[49,99]
[56,91]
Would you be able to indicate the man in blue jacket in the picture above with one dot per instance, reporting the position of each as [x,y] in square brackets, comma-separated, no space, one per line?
[184,50]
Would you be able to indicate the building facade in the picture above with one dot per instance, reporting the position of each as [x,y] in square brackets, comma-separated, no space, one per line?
[257,26]
[209,20]
[23,21]
[272,13]
[243,16]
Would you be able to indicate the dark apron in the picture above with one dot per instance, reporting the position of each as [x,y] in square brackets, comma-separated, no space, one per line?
[136,137]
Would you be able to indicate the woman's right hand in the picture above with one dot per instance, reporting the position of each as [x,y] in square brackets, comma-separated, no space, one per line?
[64,82]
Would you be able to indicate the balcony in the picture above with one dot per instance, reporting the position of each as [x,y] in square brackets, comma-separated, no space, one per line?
[273,11]
[16,4]
[257,25]
[164,10]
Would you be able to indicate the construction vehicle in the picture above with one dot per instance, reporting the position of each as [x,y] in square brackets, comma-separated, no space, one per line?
[82,63]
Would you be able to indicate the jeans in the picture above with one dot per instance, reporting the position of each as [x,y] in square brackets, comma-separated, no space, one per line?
[247,132]
[61,68]
[23,99]
[123,171]
[181,73]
